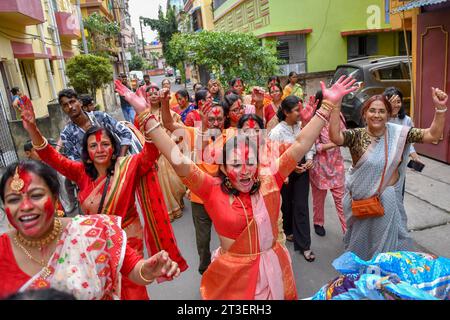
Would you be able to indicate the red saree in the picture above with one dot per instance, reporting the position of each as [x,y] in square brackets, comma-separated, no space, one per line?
[128,196]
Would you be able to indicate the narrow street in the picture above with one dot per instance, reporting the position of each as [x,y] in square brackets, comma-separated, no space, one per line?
[428,211]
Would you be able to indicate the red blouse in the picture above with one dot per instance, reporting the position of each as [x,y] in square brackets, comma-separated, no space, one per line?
[75,170]
[225,211]
[14,277]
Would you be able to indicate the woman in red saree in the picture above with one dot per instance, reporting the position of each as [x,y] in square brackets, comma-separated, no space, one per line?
[123,186]
[84,256]
[243,204]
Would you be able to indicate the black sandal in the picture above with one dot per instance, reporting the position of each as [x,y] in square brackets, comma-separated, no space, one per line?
[310,257]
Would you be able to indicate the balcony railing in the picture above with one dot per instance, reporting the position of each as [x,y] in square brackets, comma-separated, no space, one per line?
[68,25]
[21,12]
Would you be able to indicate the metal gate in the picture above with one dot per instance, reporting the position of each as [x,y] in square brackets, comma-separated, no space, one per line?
[8,152]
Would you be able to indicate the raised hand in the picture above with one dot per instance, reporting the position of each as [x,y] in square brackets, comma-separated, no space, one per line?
[440,98]
[138,103]
[258,95]
[338,90]
[164,94]
[28,117]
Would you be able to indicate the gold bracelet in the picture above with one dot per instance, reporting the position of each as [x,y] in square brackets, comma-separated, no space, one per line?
[147,132]
[142,277]
[327,105]
[41,146]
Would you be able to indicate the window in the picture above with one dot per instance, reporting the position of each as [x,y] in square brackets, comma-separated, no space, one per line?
[29,78]
[362,46]
[218,3]
[197,23]
[291,50]
[390,73]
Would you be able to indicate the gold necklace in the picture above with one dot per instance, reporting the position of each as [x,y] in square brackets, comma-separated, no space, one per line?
[57,228]
[45,272]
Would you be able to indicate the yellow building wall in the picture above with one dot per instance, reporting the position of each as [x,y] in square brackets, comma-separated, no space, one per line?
[207,14]
[30,35]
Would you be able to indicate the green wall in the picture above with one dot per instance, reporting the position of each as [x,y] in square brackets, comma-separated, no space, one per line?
[326,48]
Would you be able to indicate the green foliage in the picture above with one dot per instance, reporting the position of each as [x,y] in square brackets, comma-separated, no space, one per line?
[227,55]
[166,26]
[100,33]
[88,72]
[137,62]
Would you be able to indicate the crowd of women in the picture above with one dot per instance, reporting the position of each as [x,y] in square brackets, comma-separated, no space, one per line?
[245,160]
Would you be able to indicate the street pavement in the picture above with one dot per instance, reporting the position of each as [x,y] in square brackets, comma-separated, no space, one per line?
[427,203]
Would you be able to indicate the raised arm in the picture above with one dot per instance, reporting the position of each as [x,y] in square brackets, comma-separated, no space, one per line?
[168,122]
[153,131]
[332,98]
[434,132]
[70,169]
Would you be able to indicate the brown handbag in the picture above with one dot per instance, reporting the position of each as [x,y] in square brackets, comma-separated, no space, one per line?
[371,207]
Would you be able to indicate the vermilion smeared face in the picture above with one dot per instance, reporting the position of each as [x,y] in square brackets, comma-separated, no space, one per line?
[239,87]
[30,210]
[153,96]
[241,167]
[100,148]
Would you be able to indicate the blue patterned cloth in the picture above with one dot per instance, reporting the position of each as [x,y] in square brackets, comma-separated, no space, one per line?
[400,275]
[72,135]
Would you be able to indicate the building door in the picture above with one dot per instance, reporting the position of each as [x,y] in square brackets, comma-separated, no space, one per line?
[8,152]
[433,70]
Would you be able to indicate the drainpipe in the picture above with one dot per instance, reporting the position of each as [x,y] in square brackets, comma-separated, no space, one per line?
[57,41]
[47,62]
[83,36]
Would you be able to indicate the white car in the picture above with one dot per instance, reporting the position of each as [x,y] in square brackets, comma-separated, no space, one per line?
[137,75]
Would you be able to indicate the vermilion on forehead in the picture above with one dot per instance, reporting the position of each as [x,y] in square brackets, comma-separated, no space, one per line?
[27,179]
[98,136]
[216,111]
[251,123]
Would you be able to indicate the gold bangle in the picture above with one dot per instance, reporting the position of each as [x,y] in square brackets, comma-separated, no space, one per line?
[328,105]
[41,146]
[142,277]
[147,132]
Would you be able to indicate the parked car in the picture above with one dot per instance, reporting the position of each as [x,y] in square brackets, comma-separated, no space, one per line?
[373,76]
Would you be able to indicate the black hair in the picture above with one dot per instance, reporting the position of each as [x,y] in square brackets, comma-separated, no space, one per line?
[276,85]
[288,104]
[15,90]
[146,76]
[272,78]
[234,80]
[249,116]
[68,93]
[86,99]
[200,95]
[28,146]
[291,74]
[164,80]
[228,100]
[197,84]
[392,91]
[231,144]
[319,96]
[88,164]
[41,294]
[184,93]
[38,168]
[152,86]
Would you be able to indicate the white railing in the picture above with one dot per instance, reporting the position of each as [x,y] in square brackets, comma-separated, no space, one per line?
[299,68]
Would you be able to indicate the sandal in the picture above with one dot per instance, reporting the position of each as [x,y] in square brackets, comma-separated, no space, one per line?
[308,255]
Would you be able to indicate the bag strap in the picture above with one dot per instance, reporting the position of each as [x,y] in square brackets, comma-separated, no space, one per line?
[385,161]
[105,189]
